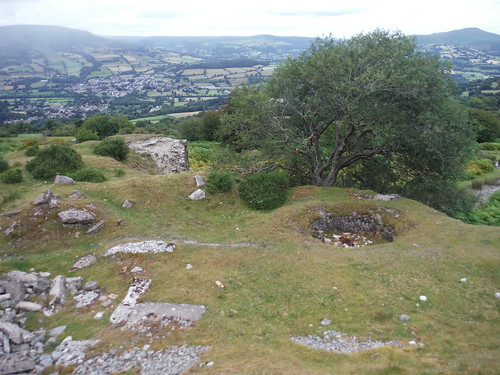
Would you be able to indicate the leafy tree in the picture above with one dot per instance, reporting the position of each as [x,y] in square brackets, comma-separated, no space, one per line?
[105,126]
[83,134]
[344,102]
[487,124]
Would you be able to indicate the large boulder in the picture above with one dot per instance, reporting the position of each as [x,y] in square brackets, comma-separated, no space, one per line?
[169,155]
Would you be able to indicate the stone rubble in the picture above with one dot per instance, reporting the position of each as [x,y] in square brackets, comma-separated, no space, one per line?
[337,342]
[171,361]
[141,248]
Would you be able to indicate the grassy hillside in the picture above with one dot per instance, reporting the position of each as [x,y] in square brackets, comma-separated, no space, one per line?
[469,37]
[279,280]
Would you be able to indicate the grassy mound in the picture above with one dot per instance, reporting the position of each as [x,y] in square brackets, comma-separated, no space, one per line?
[279,280]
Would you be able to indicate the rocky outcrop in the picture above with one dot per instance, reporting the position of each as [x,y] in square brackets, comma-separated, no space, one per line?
[169,155]
[144,247]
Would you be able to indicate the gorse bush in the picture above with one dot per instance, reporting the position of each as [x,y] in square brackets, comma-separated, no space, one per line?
[14,176]
[114,147]
[264,190]
[56,159]
[220,182]
[478,166]
[88,174]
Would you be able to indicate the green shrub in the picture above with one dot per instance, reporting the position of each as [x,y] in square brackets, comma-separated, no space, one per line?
[56,159]
[84,134]
[4,165]
[88,174]
[220,182]
[14,176]
[32,150]
[114,147]
[490,146]
[264,190]
[27,143]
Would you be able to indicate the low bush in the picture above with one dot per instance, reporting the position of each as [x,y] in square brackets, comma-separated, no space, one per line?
[55,159]
[478,166]
[84,134]
[220,182]
[27,143]
[89,174]
[10,196]
[265,190]
[13,176]
[490,146]
[114,147]
[4,165]
[487,214]
[32,150]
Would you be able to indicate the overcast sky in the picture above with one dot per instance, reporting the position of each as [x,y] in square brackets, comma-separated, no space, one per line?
[229,17]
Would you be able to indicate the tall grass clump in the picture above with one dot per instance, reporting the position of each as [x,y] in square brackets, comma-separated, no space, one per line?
[4,165]
[56,159]
[220,182]
[265,190]
[114,147]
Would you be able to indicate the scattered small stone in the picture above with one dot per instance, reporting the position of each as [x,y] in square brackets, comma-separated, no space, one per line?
[197,195]
[76,195]
[219,284]
[412,343]
[99,315]
[422,298]
[136,269]
[45,198]
[85,261]
[63,180]
[463,280]
[210,364]
[91,285]
[497,294]
[326,322]
[127,204]
[29,306]
[404,318]
[386,197]
[189,266]
[54,332]
[58,291]
[199,181]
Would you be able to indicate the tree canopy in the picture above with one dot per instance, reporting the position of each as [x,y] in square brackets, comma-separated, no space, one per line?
[372,98]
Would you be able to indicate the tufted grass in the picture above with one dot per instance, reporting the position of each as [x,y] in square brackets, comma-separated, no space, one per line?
[282,283]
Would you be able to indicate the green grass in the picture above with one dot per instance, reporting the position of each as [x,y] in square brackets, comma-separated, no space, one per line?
[284,285]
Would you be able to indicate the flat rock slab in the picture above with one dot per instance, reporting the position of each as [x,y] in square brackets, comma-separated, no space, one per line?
[144,247]
[124,309]
[386,197]
[15,333]
[337,342]
[86,298]
[74,216]
[71,352]
[164,313]
[85,261]
[15,363]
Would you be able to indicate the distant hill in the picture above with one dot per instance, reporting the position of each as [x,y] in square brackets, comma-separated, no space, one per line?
[17,39]
[469,37]
[227,47]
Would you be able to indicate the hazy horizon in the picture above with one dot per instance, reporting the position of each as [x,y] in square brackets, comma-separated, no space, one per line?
[224,18]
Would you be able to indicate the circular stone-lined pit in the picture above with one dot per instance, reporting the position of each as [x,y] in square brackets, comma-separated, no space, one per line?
[351,231]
